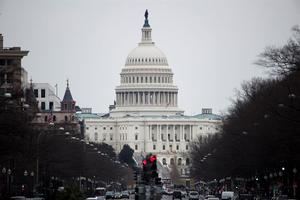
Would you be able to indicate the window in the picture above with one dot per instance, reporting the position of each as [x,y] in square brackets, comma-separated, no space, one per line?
[177,147]
[66,118]
[170,146]
[2,61]
[36,93]
[87,128]
[43,106]
[111,128]
[43,93]
[50,105]
[96,136]
[104,137]
[136,147]
[164,147]
[187,161]
[95,128]
[111,137]
[187,147]
[136,128]
[104,128]
[46,119]
[54,118]
[154,147]
[172,161]
[179,161]
[136,137]
[200,128]
[164,161]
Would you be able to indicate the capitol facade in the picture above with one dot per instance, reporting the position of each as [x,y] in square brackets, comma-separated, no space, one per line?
[146,114]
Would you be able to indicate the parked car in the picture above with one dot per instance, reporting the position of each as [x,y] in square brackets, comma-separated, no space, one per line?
[109,195]
[177,195]
[18,198]
[193,195]
[228,195]
[118,195]
[125,194]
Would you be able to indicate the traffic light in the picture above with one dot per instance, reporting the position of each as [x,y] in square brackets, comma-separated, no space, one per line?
[150,168]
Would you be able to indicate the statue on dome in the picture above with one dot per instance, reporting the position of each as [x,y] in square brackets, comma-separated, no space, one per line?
[146,14]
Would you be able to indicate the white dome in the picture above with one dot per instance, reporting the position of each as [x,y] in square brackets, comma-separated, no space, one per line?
[146,54]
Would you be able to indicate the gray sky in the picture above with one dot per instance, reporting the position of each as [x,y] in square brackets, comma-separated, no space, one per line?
[210,45]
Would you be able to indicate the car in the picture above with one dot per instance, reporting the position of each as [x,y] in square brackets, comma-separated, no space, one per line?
[228,195]
[177,195]
[18,198]
[209,196]
[118,195]
[213,198]
[125,194]
[193,195]
[183,194]
[246,197]
[91,198]
[109,195]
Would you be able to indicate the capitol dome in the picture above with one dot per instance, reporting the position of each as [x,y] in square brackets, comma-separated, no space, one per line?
[146,54]
[146,82]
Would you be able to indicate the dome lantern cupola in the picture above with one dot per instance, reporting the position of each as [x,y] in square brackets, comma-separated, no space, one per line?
[146,31]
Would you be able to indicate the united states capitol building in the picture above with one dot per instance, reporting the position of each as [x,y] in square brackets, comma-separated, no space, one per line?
[146,115]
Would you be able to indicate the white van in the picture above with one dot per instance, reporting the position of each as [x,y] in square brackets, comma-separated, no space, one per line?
[228,195]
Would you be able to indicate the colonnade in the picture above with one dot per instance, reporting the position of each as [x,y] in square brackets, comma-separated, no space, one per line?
[170,133]
[147,98]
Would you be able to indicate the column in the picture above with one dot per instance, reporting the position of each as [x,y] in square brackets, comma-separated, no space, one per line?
[190,133]
[122,98]
[182,132]
[150,132]
[174,139]
[143,98]
[159,133]
[138,98]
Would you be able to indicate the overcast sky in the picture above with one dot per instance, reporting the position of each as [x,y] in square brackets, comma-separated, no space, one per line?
[211,45]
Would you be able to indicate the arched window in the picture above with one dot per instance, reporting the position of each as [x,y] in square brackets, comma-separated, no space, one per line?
[66,118]
[136,136]
[187,161]
[179,161]
[54,118]
[146,79]
[172,161]
[164,161]
[46,119]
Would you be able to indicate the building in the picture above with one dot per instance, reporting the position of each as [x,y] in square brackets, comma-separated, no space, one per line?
[13,77]
[63,116]
[46,97]
[146,114]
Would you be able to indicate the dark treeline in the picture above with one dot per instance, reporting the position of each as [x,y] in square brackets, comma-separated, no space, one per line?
[59,157]
[261,132]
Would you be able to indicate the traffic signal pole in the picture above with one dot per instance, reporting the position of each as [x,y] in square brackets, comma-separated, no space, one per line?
[148,184]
